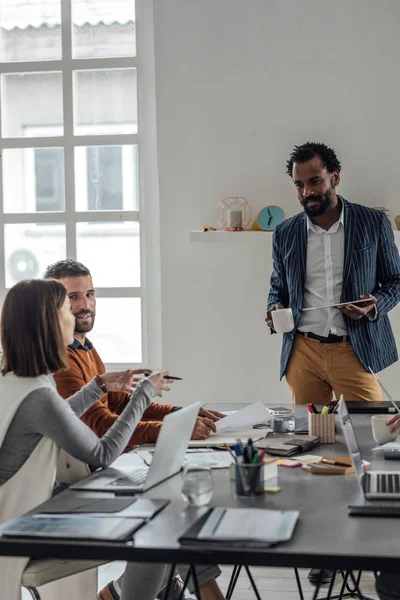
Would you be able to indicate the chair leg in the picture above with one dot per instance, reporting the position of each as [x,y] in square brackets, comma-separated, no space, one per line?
[33,592]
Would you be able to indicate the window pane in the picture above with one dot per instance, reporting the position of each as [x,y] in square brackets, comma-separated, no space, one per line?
[117,334]
[30,30]
[31,101]
[103,28]
[111,251]
[105,101]
[106,178]
[30,248]
[33,180]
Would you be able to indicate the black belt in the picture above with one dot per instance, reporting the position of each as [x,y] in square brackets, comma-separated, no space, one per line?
[331,339]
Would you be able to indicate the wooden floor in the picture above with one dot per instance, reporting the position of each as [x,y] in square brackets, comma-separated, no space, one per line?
[273,584]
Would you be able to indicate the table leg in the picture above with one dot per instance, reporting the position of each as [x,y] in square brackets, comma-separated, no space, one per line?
[185,584]
[299,586]
[356,591]
[315,595]
[253,585]
[233,581]
[195,581]
[170,578]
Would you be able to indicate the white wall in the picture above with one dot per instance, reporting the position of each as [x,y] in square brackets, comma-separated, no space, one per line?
[237,85]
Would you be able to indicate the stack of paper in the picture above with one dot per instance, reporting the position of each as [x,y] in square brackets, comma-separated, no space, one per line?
[250,415]
[228,438]
[388,446]
[212,460]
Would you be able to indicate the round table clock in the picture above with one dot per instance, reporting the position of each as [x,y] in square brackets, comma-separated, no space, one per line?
[270,216]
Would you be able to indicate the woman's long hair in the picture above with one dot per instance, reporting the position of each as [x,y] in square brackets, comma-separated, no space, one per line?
[31,337]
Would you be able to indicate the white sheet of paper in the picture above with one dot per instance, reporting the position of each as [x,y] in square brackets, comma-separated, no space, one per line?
[246,417]
[199,456]
[213,460]
[252,524]
[229,437]
[388,446]
[135,459]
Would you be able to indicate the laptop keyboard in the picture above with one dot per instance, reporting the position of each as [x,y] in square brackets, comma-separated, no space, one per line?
[136,478]
[388,483]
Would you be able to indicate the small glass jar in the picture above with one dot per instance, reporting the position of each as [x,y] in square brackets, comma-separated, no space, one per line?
[284,422]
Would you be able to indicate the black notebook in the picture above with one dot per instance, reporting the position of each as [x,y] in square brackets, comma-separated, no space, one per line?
[363,407]
[377,509]
[72,528]
[140,508]
[239,527]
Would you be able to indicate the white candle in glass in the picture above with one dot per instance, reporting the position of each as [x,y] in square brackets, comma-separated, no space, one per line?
[234,218]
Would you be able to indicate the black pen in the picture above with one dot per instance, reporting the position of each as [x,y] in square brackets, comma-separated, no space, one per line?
[166,377]
[335,463]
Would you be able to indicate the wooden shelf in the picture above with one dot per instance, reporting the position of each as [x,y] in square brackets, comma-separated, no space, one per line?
[242,237]
[236,237]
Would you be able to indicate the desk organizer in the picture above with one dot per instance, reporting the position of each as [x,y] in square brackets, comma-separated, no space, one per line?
[322,426]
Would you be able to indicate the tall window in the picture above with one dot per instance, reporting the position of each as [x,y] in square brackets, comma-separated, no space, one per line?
[69,146]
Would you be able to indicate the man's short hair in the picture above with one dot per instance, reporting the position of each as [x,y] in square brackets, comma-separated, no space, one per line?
[66,268]
[308,151]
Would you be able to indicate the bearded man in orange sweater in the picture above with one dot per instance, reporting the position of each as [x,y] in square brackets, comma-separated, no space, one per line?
[85,363]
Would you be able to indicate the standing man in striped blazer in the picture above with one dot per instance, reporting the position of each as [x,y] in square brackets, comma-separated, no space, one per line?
[332,252]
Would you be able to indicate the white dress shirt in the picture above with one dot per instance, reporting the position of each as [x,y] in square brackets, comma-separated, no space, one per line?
[324,278]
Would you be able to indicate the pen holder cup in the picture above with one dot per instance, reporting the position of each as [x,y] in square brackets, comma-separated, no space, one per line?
[323,426]
[249,480]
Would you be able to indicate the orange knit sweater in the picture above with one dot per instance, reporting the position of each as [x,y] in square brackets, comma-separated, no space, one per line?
[83,366]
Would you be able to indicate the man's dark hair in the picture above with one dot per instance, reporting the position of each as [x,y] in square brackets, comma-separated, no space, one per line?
[308,151]
[66,268]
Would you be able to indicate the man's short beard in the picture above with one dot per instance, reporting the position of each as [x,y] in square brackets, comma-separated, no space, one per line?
[82,327]
[324,203]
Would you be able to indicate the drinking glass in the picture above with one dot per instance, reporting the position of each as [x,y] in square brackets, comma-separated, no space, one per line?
[198,485]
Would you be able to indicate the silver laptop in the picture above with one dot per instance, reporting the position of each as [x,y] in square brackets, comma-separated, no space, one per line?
[168,458]
[375,485]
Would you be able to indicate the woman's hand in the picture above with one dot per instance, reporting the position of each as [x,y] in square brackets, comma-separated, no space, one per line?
[123,381]
[158,380]
[394,423]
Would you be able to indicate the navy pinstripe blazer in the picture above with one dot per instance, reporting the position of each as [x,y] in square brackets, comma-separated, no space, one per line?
[371,266]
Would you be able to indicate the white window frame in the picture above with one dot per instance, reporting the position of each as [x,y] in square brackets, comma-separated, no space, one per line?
[149,291]
[129,177]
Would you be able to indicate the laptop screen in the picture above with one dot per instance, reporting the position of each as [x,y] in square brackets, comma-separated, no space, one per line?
[351,441]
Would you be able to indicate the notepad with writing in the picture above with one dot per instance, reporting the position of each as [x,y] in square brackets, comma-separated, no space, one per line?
[253,527]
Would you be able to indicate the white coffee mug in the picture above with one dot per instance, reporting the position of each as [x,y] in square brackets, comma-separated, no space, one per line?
[282,319]
[380,430]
